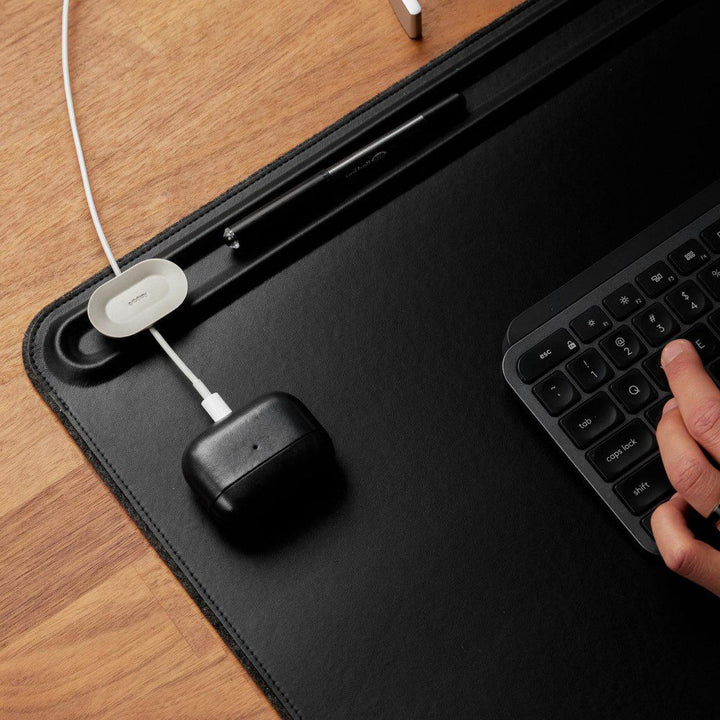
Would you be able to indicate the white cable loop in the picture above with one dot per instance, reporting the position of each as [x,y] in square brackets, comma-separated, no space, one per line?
[198,384]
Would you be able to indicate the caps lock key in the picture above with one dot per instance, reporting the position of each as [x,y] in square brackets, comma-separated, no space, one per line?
[623,450]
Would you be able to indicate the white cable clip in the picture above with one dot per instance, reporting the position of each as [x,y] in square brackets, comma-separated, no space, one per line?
[137,298]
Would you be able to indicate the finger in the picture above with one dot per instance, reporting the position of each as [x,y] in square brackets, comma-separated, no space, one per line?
[696,393]
[682,552]
[688,470]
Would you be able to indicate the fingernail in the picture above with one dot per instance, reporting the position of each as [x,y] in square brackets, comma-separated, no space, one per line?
[672,350]
[671,404]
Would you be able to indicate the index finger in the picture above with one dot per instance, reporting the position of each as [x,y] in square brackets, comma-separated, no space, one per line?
[697,395]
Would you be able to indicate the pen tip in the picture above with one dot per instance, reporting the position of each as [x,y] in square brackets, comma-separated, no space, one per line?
[230,239]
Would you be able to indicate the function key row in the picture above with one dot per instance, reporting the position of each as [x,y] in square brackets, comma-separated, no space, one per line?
[656,325]
[659,278]
[686,259]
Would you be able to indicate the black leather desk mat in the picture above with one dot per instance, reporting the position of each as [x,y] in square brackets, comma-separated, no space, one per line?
[462,570]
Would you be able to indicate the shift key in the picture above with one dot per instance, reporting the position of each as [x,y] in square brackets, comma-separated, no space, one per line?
[588,422]
[625,449]
[645,488]
[546,355]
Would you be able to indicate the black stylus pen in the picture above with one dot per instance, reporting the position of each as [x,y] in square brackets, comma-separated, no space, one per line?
[328,183]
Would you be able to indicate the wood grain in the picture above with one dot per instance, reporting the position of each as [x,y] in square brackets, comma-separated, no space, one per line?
[176,102]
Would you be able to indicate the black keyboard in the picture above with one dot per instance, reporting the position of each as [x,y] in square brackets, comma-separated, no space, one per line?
[591,374]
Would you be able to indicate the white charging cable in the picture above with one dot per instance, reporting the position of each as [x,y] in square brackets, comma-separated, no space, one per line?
[213,404]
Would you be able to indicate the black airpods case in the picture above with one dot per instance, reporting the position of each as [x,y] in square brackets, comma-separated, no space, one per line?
[258,458]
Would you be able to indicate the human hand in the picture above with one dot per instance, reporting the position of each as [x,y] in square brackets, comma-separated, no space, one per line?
[689,425]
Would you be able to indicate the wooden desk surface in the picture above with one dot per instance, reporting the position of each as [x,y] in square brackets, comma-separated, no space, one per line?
[175,102]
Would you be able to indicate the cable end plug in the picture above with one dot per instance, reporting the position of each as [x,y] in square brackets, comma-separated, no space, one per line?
[216,407]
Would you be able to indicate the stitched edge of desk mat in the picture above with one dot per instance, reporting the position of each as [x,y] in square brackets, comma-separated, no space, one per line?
[162,545]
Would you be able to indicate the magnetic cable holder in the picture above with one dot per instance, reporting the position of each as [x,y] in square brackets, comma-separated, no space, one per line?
[137,298]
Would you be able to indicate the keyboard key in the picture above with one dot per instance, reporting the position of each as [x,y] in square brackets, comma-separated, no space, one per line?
[656,279]
[590,370]
[633,390]
[645,522]
[623,347]
[655,324]
[623,450]
[654,412]
[704,341]
[546,355]
[624,301]
[591,324]
[714,371]
[654,370]
[710,278]
[645,488]
[556,393]
[711,236]
[589,421]
[689,257]
[714,320]
[688,301]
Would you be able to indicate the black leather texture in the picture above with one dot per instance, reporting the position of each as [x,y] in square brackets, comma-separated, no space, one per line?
[459,568]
